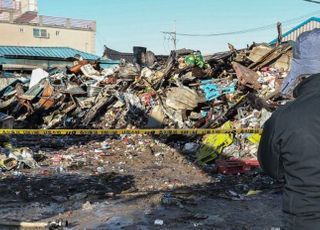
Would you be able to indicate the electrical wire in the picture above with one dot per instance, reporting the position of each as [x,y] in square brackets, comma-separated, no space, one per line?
[164,45]
[312,1]
[256,29]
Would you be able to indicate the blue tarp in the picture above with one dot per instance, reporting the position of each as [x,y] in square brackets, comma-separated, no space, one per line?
[213,91]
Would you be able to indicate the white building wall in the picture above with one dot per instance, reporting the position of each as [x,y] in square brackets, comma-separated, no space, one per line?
[23,35]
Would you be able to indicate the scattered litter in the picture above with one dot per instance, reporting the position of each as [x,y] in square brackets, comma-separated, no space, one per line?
[158,222]
[236,89]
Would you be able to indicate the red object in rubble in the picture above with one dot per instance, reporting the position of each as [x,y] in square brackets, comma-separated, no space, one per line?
[236,166]
[254,163]
[265,69]
[148,96]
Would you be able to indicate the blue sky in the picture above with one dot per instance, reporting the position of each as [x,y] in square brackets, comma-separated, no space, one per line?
[122,24]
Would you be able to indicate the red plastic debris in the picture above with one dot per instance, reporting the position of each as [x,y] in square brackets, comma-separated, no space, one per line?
[148,97]
[236,166]
[254,163]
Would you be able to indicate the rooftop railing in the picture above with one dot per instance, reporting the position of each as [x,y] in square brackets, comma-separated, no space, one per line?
[22,17]
[66,23]
[9,5]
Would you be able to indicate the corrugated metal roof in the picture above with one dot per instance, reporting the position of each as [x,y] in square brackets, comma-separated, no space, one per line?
[44,52]
[293,34]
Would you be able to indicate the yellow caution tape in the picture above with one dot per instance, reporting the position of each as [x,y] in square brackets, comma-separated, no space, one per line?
[70,132]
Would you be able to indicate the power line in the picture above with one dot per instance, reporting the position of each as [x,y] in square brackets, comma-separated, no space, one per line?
[317,2]
[171,36]
[261,28]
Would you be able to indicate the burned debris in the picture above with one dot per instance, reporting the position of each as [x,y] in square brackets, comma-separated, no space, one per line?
[230,90]
[237,89]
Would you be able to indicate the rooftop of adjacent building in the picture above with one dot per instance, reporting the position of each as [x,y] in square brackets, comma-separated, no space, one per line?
[302,24]
[49,53]
[26,12]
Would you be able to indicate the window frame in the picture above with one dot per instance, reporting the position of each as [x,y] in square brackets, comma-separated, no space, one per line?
[36,32]
[40,33]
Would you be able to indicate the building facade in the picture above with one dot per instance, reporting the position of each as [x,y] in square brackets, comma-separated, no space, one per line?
[21,25]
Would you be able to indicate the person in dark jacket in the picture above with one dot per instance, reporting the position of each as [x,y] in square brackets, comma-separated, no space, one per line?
[290,143]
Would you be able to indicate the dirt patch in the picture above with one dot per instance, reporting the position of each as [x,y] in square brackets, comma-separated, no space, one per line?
[133,182]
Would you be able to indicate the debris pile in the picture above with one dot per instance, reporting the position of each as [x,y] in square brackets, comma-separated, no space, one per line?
[234,89]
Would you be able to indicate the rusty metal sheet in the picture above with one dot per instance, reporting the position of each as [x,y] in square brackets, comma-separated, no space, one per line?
[76,69]
[47,100]
[246,76]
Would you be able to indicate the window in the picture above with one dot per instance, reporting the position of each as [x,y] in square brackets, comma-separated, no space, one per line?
[40,33]
[21,30]
[43,33]
[36,33]
[57,33]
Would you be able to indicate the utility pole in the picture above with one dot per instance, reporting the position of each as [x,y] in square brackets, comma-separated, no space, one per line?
[172,36]
[279,29]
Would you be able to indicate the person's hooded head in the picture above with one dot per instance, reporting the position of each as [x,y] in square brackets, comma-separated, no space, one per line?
[306,59]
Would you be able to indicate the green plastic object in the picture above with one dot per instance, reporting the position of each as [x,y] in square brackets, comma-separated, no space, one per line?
[196,59]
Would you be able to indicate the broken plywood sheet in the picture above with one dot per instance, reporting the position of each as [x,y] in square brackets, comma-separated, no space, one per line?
[284,62]
[183,99]
[258,52]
